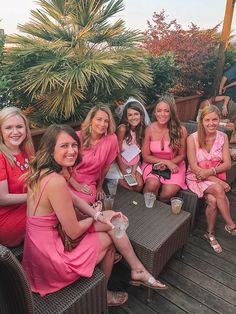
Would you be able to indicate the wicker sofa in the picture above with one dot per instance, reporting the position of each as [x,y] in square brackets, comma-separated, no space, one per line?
[85,296]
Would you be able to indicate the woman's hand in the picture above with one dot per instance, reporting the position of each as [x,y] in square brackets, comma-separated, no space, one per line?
[202,174]
[84,188]
[100,193]
[172,166]
[108,215]
[224,111]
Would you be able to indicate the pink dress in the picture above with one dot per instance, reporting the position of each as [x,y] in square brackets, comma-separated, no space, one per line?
[12,217]
[206,160]
[166,153]
[94,160]
[48,267]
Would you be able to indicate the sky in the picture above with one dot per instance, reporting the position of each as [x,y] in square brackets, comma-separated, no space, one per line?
[203,13]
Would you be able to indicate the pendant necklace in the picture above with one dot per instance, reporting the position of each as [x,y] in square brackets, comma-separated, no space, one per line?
[20,166]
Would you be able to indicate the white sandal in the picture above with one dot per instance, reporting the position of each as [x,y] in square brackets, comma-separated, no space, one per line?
[216,246]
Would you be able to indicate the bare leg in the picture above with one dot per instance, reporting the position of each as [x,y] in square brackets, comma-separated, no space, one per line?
[222,203]
[211,213]
[168,191]
[152,185]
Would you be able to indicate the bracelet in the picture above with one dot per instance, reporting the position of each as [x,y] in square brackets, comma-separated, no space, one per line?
[213,169]
[96,215]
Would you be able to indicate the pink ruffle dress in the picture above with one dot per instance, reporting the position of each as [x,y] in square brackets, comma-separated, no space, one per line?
[206,160]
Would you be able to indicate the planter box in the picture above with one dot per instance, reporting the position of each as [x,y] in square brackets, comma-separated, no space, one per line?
[38,133]
[187,107]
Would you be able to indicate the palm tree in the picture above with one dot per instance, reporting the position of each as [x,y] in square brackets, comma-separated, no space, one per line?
[74,53]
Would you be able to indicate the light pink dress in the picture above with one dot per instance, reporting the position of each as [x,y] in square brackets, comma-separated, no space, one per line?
[94,160]
[166,153]
[206,160]
[48,267]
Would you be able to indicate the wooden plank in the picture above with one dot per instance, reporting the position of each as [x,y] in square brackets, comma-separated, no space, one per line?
[184,301]
[211,271]
[202,296]
[220,261]
[203,280]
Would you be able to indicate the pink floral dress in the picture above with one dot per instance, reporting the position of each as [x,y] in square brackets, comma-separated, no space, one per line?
[206,160]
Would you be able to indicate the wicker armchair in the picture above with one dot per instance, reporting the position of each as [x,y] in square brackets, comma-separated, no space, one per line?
[85,296]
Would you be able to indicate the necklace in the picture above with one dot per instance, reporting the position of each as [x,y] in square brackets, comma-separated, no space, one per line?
[20,166]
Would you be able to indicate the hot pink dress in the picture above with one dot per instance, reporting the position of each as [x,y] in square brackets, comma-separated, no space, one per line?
[206,160]
[166,153]
[12,217]
[94,160]
[48,267]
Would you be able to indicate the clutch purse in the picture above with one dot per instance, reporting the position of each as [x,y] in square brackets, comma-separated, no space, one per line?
[69,244]
[166,174]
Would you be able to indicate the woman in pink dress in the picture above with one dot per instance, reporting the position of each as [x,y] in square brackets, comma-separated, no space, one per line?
[208,156]
[48,266]
[99,149]
[164,144]
[130,135]
[16,149]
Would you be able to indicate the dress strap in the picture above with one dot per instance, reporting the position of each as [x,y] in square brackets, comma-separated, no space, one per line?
[41,193]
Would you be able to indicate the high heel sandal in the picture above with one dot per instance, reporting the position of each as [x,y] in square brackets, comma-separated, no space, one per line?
[213,242]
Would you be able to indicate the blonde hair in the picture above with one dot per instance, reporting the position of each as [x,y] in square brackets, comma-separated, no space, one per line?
[201,131]
[27,144]
[85,128]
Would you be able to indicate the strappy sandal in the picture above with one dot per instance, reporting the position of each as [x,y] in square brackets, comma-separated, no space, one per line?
[232,231]
[150,283]
[117,298]
[213,242]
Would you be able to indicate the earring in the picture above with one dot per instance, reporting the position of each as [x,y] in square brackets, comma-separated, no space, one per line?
[90,129]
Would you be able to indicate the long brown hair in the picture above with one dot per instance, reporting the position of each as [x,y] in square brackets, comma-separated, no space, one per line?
[139,130]
[44,157]
[201,131]
[175,130]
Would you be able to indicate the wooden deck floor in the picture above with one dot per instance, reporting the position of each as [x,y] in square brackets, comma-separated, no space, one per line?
[202,282]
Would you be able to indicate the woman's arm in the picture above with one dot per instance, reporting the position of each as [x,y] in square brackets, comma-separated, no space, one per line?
[120,136]
[225,99]
[226,164]
[191,154]
[7,198]
[228,86]
[222,83]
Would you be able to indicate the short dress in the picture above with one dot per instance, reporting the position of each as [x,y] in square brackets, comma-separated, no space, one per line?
[13,217]
[94,160]
[164,153]
[47,266]
[114,171]
[207,160]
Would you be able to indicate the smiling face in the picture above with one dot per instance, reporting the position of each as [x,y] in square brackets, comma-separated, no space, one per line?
[66,150]
[133,117]
[100,123]
[211,122]
[162,113]
[13,131]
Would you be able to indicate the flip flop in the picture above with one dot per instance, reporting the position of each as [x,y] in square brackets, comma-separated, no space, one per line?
[118,298]
[231,231]
[210,239]
[149,283]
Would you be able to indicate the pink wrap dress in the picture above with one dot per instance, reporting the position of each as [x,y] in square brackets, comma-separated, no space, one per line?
[94,160]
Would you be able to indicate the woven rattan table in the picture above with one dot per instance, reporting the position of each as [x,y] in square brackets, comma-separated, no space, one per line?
[155,233]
